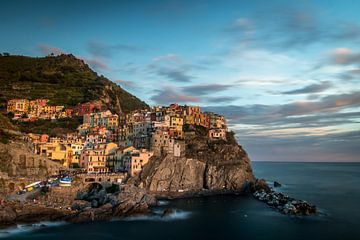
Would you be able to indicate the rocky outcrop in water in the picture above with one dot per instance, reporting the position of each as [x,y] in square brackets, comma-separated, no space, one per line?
[204,167]
[282,202]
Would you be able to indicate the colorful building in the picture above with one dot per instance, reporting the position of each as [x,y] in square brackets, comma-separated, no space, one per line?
[18,105]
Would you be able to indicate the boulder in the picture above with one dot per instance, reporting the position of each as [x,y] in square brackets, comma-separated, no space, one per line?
[7,215]
[133,200]
[260,184]
[80,205]
[277,184]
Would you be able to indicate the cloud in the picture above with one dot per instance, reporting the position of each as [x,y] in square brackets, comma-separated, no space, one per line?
[172,67]
[103,50]
[350,75]
[206,89]
[331,147]
[288,113]
[289,28]
[126,84]
[169,95]
[98,64]
[175,74]
[313,88]
[344,56]
[221,99]
[47,50]
[299,131]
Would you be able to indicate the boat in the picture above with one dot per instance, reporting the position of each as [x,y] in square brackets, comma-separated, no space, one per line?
[32,186]
[65,182]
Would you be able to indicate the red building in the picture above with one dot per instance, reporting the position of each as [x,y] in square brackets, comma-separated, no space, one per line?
[87,108]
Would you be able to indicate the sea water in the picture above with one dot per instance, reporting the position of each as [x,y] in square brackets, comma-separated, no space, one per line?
[333,187]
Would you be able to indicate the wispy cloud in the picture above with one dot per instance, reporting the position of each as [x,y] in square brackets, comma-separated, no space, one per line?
[172,67]
[290,28]
[98,64]
[345,56]
[204,89]
[175,74]
[170,95]
[125,84]
[221,99]
[313,88]
[288,113]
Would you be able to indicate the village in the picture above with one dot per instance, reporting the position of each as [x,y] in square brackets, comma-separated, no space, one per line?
[110,143]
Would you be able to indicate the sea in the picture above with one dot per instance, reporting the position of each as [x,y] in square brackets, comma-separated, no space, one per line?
[333,187]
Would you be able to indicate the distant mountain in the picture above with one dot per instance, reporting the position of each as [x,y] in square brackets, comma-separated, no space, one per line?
[63,79]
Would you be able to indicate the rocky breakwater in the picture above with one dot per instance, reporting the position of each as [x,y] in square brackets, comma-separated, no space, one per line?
[282,202]
[201,167]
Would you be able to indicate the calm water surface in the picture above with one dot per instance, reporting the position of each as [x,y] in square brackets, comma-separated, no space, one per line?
[333,187]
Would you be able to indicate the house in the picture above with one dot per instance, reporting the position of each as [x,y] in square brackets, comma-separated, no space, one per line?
[138,159]
[217,133]
[94,158]
[191,110]
[117,160]
[18,105]
[87,108]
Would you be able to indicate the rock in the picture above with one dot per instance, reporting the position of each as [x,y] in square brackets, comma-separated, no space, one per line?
[277,184]
[80,205]
[34,213]
[204,165]
[94,203]
[96,193]
[260,184]
[282,202]
[133,200]
[7,215]
[167,212]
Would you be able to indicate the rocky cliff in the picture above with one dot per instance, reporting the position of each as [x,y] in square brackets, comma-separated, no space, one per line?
[19,166]
[205,167]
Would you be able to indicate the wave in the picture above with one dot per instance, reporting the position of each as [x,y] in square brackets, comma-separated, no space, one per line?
[174,216]
[163,203]
[24,228]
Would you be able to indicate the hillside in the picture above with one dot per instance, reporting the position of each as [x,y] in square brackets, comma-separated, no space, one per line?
[63,79]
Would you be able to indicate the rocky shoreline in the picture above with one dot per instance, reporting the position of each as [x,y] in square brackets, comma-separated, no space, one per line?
[96,202]
[103,202]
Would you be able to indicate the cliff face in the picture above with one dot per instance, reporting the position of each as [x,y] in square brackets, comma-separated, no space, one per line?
[206,166]
[19,166]
[63,79]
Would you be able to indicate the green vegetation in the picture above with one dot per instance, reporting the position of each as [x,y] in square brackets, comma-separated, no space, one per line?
[50,127]
[199,130]
[63,79]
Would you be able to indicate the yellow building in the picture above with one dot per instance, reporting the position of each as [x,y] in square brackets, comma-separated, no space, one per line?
[176,121]
[18,105]
[113,121]
[189,119]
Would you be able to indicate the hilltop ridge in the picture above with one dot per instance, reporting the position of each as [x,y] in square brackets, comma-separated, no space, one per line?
[64,79]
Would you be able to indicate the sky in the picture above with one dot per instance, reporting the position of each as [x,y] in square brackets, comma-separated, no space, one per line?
[286,74]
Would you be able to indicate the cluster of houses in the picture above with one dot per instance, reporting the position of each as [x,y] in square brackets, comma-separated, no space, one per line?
[107,142]
[33,110]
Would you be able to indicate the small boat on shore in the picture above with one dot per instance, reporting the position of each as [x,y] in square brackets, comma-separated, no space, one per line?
[65,182]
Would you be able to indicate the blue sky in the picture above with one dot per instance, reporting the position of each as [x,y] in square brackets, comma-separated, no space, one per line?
[285,73]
